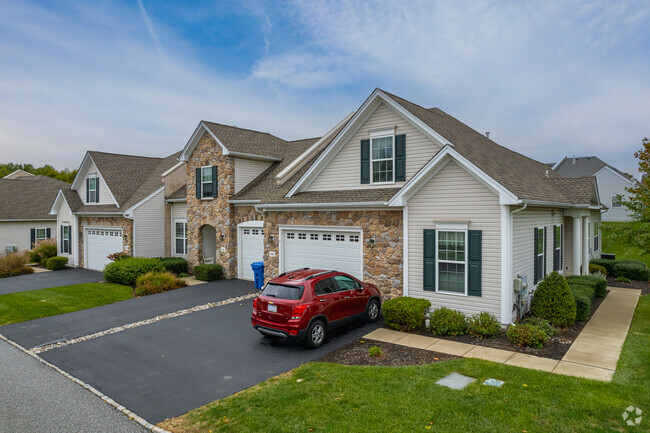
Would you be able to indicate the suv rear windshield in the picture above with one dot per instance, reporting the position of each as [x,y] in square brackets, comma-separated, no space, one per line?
[281,291]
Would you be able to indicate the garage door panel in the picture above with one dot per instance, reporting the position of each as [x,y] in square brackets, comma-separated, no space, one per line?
[99,244]
[325,249]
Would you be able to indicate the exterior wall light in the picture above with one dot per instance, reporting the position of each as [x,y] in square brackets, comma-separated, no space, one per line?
[371,241]
[271,238]
[221,237]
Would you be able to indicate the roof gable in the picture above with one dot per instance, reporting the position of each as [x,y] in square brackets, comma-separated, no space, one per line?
[28,198]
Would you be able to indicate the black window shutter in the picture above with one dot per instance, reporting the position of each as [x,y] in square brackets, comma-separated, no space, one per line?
[555,251]
[96,190]
[198,182]
[545,245]
[48,233]
[561,247]
[88,190]
[400,158]
[215,181]
[535,261]
[474,262]
[32,233]
[429,270]
[365,161]
[62,241]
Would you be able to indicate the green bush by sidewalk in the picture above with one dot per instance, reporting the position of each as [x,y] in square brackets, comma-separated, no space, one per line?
[176,265]
[484,325]
[405,313]
[208,272]
[127,271]
[56,263]
[583,295]
[633,271]
[157,282]
[553,301]
[445,321]
[599,284]
[527,335]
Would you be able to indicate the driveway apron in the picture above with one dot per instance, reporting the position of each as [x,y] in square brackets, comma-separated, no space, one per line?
[45,280]
[66,326]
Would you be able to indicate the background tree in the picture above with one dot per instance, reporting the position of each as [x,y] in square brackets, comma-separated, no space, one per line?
[47,170]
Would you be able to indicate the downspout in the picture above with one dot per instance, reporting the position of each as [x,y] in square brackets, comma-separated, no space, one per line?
[512,249]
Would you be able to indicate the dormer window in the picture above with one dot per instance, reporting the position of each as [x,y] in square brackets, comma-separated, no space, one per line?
[92,184]
[382,156]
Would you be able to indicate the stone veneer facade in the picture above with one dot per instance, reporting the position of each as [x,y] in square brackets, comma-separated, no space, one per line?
[125,223]
[382,262]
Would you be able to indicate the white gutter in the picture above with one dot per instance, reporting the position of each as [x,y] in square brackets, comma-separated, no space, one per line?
[175,200]
[554,203]
[26,220]
[240,202]
[178,164]
[99,213]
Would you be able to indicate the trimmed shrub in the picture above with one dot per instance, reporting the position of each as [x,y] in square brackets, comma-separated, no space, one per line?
[157,282]
[608,264]
[116,257]
[56,263]
[623,280]
[183,275]
[44,250]
[405,313]
[527,335]
[445,321]
[176,265]
[126,271]
[44,262]
[632,262]
[484,325]
[14,264]
[542,324]
[583,295]
[598,283]
[597,269]
[375,352]
[633,271]
[208,272]
[553,301]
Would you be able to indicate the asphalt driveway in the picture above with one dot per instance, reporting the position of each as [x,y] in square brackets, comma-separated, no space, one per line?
[45,280]
[167,368]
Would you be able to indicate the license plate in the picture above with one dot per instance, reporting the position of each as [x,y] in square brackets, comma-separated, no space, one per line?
[273,308]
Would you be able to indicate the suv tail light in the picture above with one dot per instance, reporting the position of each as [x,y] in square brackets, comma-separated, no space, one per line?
[296,314]
[255,305]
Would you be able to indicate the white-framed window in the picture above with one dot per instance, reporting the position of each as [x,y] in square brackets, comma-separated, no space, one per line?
[452,261]
[180,237]
[206,182]
[41,234]
[596,232]
[615,202]
[557,247]
[65,239]
[92,189]
[540,255]
[382,159]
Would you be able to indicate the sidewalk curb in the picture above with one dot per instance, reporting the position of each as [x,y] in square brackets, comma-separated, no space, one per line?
[132,416]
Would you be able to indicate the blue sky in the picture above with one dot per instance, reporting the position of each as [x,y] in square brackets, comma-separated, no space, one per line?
[547,78]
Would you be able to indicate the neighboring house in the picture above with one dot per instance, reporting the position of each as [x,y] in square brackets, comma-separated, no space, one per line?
[611,182]
[24,211]
[407,198]
[116,203]
[17,174]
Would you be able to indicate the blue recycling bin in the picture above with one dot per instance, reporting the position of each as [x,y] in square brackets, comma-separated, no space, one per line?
[258,270]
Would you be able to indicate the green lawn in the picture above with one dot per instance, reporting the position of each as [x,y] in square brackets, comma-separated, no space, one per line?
[34,304]
[335,398]
[622,251]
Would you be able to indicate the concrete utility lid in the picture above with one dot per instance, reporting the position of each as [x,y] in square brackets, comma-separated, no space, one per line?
[493,382]
[455,381]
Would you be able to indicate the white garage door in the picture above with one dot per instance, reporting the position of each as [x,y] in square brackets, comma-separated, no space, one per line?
[252,250]
[323,249]
[99,244]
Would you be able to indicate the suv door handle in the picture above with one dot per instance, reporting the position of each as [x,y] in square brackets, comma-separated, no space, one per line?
[322,300]
[347,297]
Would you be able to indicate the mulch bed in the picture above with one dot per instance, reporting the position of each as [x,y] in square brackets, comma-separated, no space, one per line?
[644,286]
[393,355]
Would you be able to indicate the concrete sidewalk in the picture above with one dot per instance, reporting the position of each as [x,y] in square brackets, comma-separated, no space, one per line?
[35,398]
[593,355]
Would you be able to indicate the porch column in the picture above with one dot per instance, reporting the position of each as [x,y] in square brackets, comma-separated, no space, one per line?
[577,244]
[585,245]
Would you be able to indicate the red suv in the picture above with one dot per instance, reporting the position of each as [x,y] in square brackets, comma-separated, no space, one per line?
[304,304]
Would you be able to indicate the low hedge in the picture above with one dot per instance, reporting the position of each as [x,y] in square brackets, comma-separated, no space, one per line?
[405,313]
[552,300]
[599,284]
[527,335]
[633,271]
[608,264]
[56,263]
[208,272]
[445,321]
[157,282]
[597,269]
[484,325]
[44,250]
[14,264]
[126,271]
[176,265]
[583,295]
[542,324]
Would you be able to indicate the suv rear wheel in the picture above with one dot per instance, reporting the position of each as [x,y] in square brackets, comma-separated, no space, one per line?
[315,334]
[372,311]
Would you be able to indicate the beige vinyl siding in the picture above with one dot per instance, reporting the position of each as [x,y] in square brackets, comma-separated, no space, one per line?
[18,233]
[568,246]
[246,170]
[179,211]
[149,226]
[454,194]
[65,217]
[104,192]
[344,171]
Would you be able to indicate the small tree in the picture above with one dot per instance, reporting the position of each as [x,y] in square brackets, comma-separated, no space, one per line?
[638,203]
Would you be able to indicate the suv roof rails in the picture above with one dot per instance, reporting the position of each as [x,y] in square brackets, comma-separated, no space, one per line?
[319,274]
[291,272]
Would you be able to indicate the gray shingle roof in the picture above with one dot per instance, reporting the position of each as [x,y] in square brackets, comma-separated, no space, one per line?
[28,197]
[179,193]
[584,166]
[248,141]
